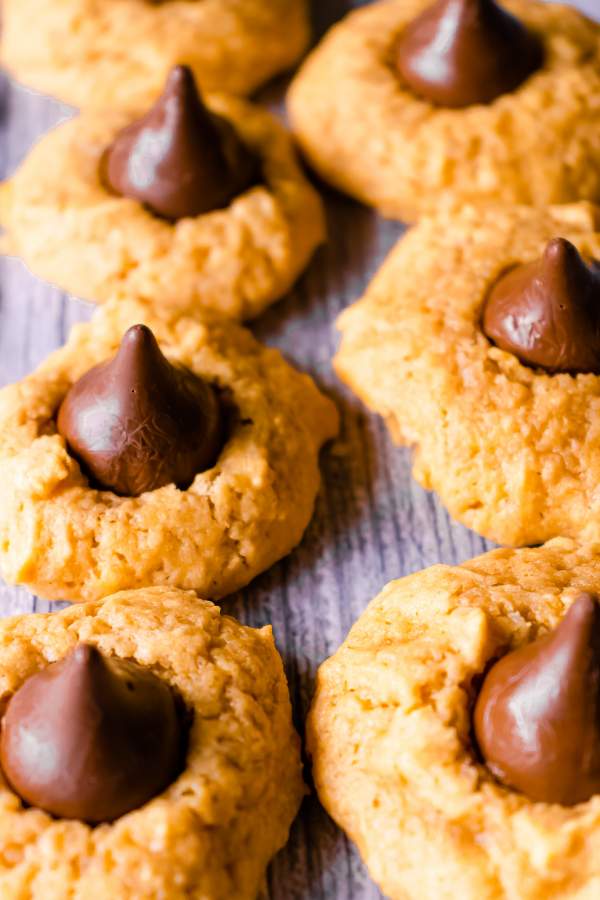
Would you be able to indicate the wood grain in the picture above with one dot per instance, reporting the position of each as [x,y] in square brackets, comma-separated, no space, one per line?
[372,524]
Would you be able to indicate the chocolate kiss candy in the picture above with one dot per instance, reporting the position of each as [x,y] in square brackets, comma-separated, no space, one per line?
[461,52]
[136,422]
[548,312]
[537,718]
[91,737]
[179,160]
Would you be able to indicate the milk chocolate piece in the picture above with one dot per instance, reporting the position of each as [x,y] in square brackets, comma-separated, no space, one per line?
[136,422]
[548,312]
[179,160]
[537,717]
[461,52]
[91,737]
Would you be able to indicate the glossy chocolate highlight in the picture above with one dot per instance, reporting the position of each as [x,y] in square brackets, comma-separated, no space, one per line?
[548,312]
[461,52]
[137,422]
[180,160]
[537,717]
[92,737]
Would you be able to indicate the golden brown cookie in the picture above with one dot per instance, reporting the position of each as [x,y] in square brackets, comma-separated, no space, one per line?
[70,229]
[372,137]
[211,833]
[512,451]
[106,53]
[390,735]
[65,539]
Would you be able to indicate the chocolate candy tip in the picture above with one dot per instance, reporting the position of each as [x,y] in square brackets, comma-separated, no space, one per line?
[92,737]
[537,716]
[136,422]
[458,53]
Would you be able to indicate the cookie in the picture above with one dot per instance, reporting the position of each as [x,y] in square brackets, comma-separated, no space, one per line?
[375,138]
[211,832]
[244,248]
[390,734]
[66,537]
[94,54]
[510,448]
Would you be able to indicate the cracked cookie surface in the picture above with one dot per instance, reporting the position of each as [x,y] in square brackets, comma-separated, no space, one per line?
[390,735]
[512,451]
[66,540]
[372,138]
[106,53]
[72,231]
[211,833]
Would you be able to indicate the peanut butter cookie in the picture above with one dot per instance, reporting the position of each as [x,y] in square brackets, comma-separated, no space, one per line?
[182,454]
[515,118]
[391,735]
[504,422]
[106,53]
[188,204]
[211,831]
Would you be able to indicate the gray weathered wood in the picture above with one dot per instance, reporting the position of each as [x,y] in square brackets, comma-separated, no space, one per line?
[372,524]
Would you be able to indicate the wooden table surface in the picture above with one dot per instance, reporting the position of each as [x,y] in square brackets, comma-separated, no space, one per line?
[372,523]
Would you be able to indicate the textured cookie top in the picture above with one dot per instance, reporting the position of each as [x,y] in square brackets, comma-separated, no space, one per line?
[373,138]
[212,832]
[512,451]
[235,261]
[106,53]
[68,540]
[390,734]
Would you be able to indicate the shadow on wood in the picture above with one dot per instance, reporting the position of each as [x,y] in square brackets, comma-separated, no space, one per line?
[325,14]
